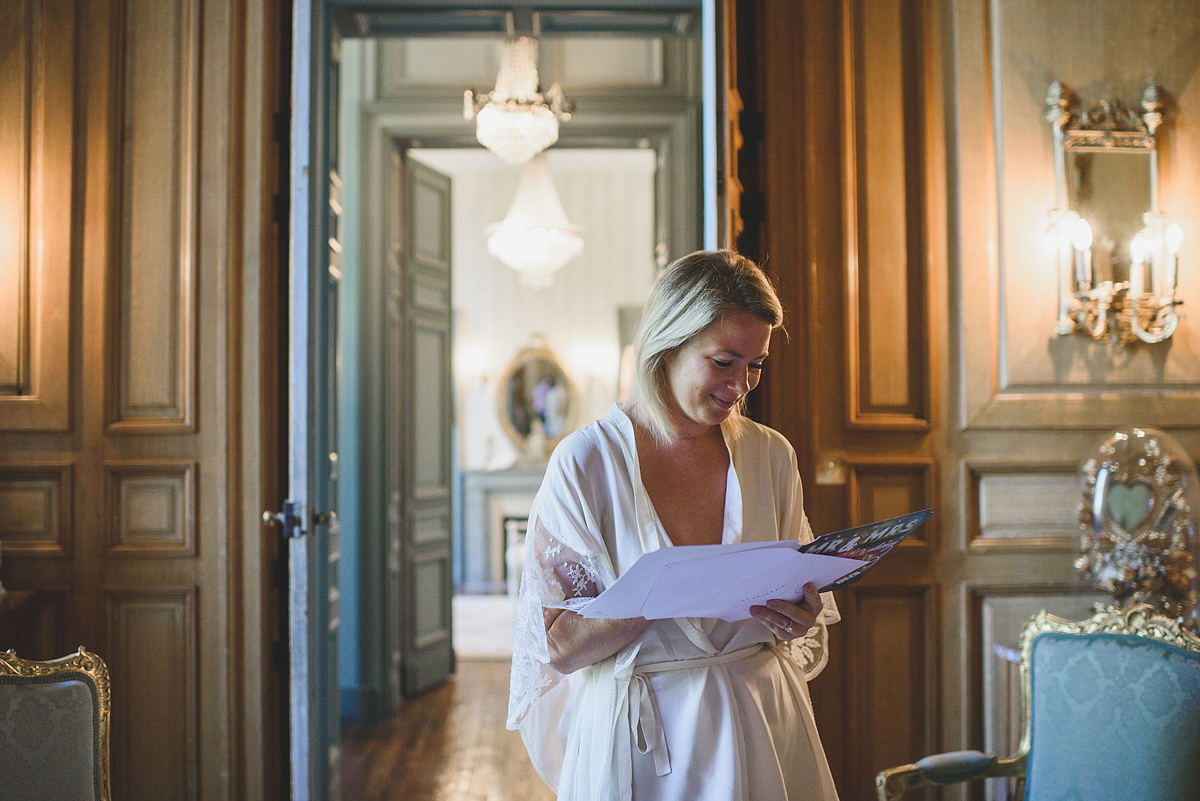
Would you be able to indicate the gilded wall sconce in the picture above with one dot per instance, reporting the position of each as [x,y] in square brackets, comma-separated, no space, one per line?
[1117,253]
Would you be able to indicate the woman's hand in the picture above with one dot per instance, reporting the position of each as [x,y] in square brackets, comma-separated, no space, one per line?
[791,620]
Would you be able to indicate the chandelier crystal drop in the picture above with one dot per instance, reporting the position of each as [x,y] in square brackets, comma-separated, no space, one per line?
[535,238]
[516,121]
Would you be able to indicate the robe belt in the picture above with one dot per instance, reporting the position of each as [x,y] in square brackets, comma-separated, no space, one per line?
[644,719]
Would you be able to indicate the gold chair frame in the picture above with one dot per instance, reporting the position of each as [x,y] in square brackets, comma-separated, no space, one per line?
[1138,620]
[88,668]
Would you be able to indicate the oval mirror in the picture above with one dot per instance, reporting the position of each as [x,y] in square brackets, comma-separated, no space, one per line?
[537,402]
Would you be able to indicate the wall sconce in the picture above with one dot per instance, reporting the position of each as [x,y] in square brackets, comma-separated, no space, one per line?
[1117,253]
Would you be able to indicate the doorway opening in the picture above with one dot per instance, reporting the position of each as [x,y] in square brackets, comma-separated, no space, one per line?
[394,108]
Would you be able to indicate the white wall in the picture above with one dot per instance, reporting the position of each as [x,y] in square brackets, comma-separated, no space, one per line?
[607,193]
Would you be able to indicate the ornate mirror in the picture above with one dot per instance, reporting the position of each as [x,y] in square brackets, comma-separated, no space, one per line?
[1118,254]
[537,402]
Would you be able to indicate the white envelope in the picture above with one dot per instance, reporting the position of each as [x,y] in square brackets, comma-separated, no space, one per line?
[721,581]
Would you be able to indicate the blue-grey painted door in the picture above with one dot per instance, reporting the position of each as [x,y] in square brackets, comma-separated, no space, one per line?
[310,519]
[420,584]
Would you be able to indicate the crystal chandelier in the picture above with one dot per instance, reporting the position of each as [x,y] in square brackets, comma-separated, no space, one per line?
[516,121]
[535,238]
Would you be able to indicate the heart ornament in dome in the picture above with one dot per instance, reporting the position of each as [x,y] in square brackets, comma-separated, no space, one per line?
[1129,504]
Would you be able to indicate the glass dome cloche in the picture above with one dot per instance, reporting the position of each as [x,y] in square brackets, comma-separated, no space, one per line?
[1138,523]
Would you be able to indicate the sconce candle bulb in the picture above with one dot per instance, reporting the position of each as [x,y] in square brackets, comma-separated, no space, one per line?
[1081,239]
[1174,242]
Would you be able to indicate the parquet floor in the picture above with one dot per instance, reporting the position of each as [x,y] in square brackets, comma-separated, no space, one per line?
[447,745]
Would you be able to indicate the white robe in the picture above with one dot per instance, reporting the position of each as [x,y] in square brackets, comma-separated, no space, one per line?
[736,726]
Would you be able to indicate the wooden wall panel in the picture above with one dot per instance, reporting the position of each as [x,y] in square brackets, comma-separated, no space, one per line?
[998,612]
[892,685]
[887,325]
[156,175]
[879,490]
[152,659]
[151,509]
[35,511]
[123,211]
[37,219]
[1022,506]
[1018,374]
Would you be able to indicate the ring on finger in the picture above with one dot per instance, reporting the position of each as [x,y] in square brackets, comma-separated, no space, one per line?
[788,628]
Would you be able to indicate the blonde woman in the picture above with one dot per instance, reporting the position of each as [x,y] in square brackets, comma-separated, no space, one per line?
[685,708]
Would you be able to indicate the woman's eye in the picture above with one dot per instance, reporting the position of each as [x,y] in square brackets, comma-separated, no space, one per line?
[756,365]
[723,363]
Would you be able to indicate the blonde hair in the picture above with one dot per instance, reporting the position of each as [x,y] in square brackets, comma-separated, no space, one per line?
[691,294]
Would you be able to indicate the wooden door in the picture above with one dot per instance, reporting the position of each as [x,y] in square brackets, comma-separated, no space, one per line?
[419,414]
[132,321]
[850,230]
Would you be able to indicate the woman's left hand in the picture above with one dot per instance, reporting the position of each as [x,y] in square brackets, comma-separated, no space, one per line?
[791,620]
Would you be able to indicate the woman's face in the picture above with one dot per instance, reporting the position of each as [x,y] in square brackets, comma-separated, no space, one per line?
[709,374]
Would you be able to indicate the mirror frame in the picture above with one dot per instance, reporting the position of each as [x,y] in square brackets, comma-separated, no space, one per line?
[1124,311]
[525,357]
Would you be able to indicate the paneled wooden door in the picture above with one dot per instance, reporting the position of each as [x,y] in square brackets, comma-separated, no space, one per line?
[133,252]
[851,230]
[419,412]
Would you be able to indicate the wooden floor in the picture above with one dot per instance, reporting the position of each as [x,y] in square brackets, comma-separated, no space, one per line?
[447,745]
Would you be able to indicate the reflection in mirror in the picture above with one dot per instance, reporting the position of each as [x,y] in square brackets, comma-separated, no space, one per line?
[1111,190]
[537,402]
[1117,253]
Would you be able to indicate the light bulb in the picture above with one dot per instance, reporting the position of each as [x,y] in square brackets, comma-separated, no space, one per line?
[1081,234]
[1138,248]
[1174,237]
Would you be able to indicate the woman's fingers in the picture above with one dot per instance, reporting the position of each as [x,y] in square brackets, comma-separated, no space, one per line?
[791,620]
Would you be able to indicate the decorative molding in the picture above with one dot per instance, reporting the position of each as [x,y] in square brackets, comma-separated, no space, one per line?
[429,573]
[1018,506]
[151,509]
[153,637]
[155,172]
[38,91]
[892,640]
[35,510]
[887,317]
[430,399]
[1016,374]
[883,488]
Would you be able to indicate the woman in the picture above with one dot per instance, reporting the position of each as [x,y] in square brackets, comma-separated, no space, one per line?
[687,708]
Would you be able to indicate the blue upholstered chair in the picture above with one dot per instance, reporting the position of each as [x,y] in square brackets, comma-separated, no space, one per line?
[1111,711]
[54,728]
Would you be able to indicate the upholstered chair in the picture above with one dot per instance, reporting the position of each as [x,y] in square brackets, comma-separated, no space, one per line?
[54,728]
[1111,711]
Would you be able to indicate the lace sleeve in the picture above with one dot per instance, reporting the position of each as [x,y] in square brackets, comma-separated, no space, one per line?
[810,653]
[562,578]
[555,577]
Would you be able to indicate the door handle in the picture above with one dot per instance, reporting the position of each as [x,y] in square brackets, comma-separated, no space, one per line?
[290,520]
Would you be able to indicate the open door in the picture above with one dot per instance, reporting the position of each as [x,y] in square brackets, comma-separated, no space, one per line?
[308,520]
[419,414]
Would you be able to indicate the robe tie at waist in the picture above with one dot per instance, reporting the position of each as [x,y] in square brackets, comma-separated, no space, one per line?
[644,720]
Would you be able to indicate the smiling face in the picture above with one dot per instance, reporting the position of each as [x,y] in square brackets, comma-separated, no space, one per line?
[712,371]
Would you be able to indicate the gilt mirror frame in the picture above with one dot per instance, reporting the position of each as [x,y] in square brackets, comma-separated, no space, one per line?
[1118,264]
[535,388]
[1107,127]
